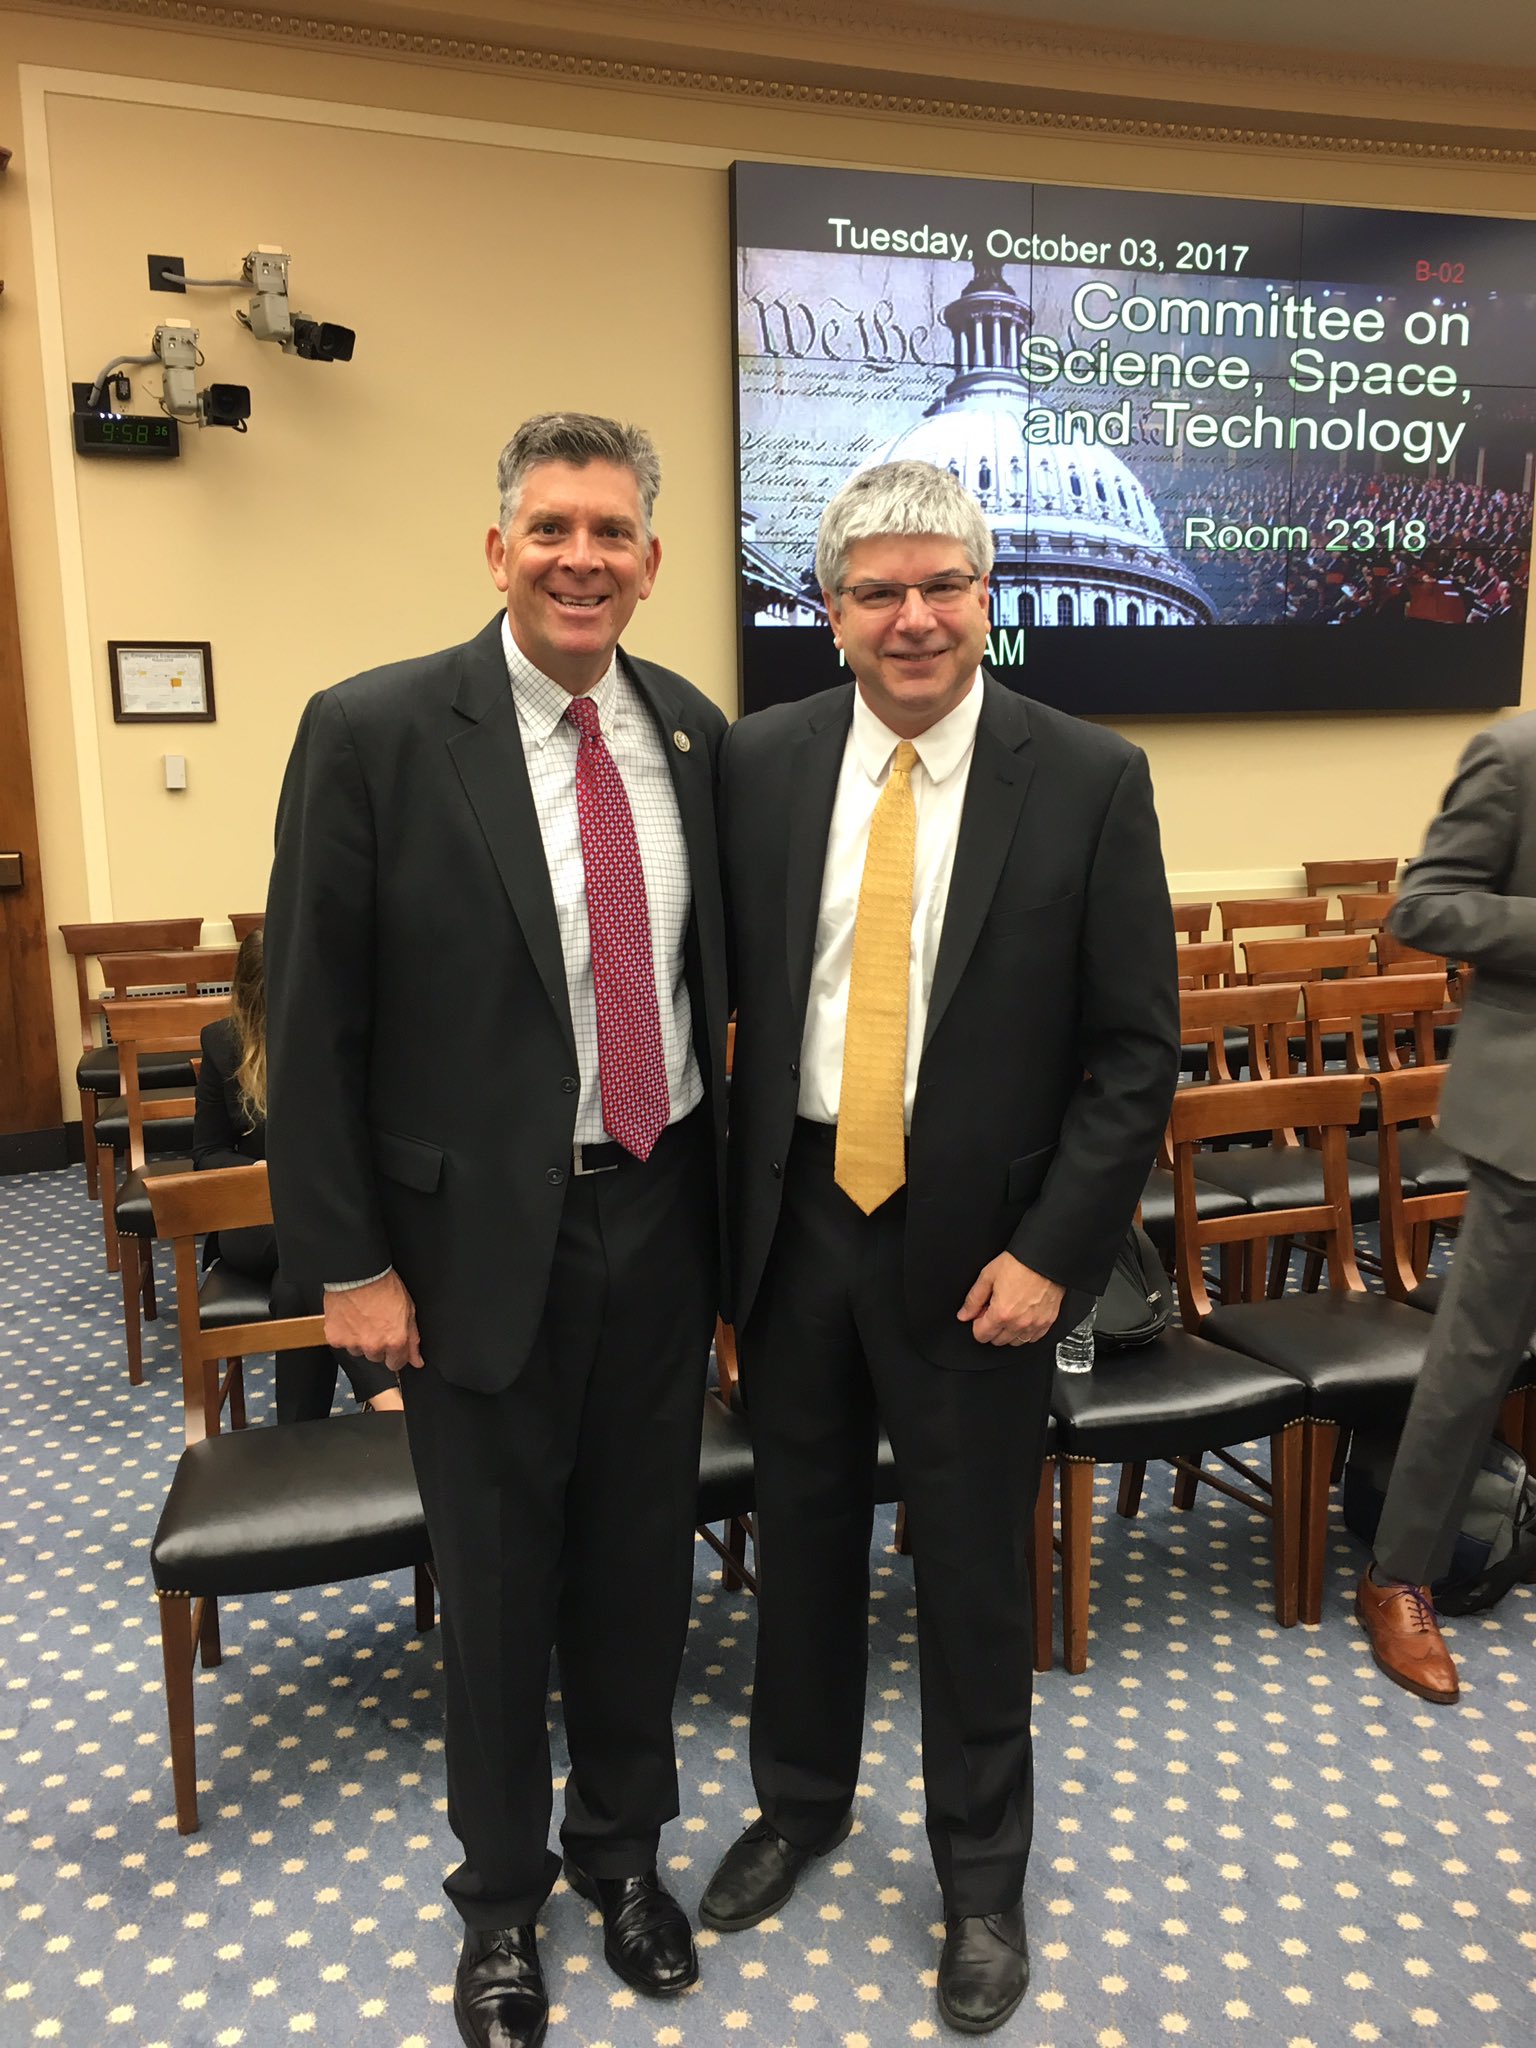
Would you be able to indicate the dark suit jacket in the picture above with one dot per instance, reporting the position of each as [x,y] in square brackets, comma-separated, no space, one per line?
[1052,1040]
[1471,894]
[422,1069]
[223,1134]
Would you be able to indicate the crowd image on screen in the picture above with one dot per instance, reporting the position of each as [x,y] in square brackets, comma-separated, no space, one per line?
[1473,566]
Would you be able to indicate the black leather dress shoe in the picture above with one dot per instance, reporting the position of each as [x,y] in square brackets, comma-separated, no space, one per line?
[499,1998]
[758,1874]
[984,1970]
[646,1936]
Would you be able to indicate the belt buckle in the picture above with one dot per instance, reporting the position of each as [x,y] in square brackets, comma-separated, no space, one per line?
[580,1171]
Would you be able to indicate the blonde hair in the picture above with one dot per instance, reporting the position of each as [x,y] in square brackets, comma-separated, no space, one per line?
[248,1012]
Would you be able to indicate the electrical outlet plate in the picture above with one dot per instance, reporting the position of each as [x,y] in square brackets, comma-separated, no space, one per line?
[158,281]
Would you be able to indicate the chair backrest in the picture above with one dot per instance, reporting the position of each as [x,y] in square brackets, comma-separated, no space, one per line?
[1324,877]
[1191,921]
[1269,913]
[1409,1096]
[244,922]
[157,1024]
[1366,913]
[1206,1015]
[84,942]
[1206,963]
[192,970]
[185,1205]
[1307,959]
[1328,1106]
[1395,956]
[1396,1001]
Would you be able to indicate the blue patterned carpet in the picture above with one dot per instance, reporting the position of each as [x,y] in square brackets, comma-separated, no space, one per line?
[1244,1835]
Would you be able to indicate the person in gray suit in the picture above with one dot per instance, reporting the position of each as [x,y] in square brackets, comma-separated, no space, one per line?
[1471,894]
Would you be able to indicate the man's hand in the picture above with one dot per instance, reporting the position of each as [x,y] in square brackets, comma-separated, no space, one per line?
[377,1321]
[1010,1304]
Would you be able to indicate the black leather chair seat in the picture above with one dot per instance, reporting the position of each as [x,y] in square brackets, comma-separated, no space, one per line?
[1195,1058]
[162,1135]
[1157,1207]
[225,1297]
[1426,1295]
[269,1510]
[98,1070]
[131,1212]
[725,1464]
[1357,1355]
[1287,1177]
[1181,1393]
[1430,1167]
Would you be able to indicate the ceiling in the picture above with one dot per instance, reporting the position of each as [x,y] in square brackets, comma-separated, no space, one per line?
[1495,32]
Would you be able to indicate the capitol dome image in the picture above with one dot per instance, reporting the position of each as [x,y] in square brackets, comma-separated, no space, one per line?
[1078,541]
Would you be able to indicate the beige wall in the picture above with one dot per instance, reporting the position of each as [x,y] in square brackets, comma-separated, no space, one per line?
[501,245]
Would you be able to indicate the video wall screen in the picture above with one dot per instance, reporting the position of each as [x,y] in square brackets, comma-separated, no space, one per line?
[1237,456]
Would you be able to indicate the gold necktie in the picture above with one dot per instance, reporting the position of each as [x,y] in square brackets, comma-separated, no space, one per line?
[871,1159]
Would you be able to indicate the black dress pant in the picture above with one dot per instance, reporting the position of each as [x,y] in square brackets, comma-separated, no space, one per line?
[825,1357]
[304,1382]
[561,1511]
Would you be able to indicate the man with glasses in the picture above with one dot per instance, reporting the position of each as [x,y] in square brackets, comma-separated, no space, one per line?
[957,1047]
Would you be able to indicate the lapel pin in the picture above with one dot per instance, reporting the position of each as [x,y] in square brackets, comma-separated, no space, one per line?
[681,741]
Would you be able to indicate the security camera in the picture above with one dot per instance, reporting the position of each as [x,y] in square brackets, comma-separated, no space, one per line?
[322,341]
[270,316]
[221,405]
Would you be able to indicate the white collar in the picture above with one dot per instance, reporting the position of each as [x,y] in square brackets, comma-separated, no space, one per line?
[542,702]
[941,749]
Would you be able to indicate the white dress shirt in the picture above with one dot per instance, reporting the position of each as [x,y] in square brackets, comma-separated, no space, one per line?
[939,779]
[550,743]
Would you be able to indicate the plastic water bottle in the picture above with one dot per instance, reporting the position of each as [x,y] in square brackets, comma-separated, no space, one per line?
[1074,1353]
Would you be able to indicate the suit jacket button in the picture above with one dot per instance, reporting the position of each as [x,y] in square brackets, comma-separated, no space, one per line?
[794,1070]
[569,1085]
[554,1175]
[776,1170]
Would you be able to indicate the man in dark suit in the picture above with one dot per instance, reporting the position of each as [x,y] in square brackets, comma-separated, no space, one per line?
[1471,894]
[957,1046]
[496,979]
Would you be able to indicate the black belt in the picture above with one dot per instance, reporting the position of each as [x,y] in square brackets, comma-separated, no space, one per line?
[610,1156]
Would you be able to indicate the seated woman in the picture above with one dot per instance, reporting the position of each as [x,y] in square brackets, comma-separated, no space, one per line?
[229,1128]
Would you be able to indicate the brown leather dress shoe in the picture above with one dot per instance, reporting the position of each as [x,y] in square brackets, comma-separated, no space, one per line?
[1400,1624]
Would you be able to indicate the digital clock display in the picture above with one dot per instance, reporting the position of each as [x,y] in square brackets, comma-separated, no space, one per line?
[147,435]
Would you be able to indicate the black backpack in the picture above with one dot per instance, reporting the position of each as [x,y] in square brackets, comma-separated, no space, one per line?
[1137,1304]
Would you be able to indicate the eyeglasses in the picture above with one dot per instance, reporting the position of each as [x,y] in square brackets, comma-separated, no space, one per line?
[939,593]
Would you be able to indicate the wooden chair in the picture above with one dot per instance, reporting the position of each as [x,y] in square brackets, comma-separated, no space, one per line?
[1261,1017]
[1356,1355]
[261,1510]
[96,1073]
[146,1025]
[1308,914]
[1191,921]
[1397,1005]
[1207,963]
[1307,959]
[1329,877]
[244,922]
[1366,913]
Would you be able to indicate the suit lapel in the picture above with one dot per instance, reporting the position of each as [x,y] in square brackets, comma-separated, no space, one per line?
[1001,770]
[689,764]
[814,765]
[488,755]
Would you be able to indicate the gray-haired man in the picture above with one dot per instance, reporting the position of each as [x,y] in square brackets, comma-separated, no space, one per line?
[957,1046]
[495,957]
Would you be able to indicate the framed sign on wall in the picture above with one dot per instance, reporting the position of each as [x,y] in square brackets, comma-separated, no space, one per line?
[155,681]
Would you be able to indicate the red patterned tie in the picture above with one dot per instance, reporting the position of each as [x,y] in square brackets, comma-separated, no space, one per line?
[631,1066]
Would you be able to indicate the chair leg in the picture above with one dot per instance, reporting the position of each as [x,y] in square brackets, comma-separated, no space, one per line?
[128,1259]
[151,1306]
[1076,1559]
[1230,1272]
[426,1600]
[209,1645]
[1186,1487]
[1132,1479]
[731,1580]
[88,1142]
[1312,1271]
[106,1167]
[176,1650]
[1287,1461]
[1042,1566]
[903,1540]
[1528,1430]
[236,1394]
[1317,1466]
[1279,1266]
[212,1398]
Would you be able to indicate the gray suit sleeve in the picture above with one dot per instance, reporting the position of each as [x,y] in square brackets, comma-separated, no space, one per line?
[1452,898]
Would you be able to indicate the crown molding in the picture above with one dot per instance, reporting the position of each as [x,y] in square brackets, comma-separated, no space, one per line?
[820,85]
